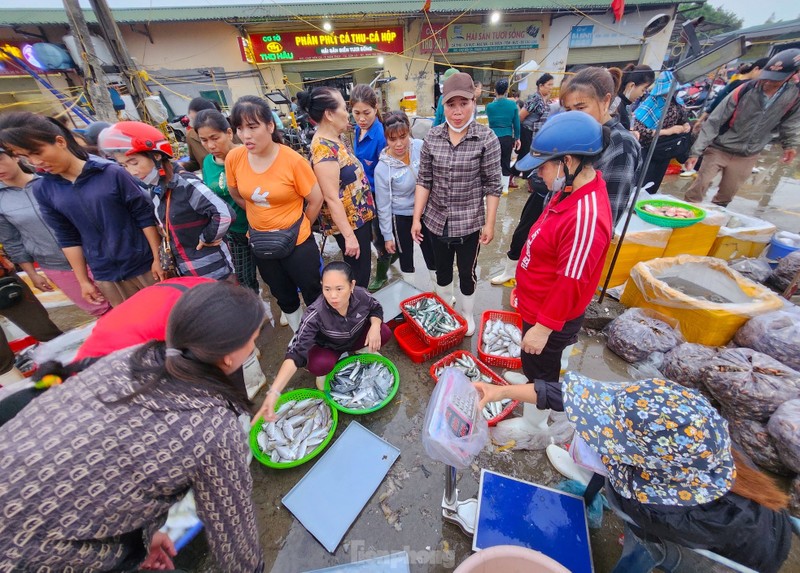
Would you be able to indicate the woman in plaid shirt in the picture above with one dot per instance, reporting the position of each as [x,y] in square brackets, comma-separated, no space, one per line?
[459,166]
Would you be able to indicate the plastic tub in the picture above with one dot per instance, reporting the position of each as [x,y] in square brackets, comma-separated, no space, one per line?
[510,559]
[741,236]
[439,343]
[450,358]
[777,250]
[491,359]
[671,222]
[366,359]
[412,345]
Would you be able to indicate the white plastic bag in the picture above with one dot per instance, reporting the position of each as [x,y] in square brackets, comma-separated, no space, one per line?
[454,431]
[63,348]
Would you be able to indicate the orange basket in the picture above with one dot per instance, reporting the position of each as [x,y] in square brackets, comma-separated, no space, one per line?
[491,359]
[439,343]
[412,345]
[453,356]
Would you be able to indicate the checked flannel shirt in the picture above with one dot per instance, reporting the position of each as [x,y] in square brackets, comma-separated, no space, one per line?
[619,163]
[458,178]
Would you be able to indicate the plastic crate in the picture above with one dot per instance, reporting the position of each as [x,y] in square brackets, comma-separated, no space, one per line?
[412,345]
[438,343]
[500,361]
[450,358]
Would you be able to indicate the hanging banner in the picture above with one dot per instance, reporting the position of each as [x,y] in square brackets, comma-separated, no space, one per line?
[348,43]
[481,38]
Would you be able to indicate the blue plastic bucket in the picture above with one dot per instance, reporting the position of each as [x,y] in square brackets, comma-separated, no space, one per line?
[777,251]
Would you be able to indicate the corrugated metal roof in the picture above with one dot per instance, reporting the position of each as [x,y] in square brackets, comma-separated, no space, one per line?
[765,30]
[272,11]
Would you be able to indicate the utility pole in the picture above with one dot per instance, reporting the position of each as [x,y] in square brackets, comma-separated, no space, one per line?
[113,37]
[93,76]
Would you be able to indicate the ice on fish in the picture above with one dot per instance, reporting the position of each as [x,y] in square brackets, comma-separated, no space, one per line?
[432,316]
[301,426]
[502,339]
[361,386]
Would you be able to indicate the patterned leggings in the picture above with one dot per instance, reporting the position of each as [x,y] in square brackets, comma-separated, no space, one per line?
[243,261]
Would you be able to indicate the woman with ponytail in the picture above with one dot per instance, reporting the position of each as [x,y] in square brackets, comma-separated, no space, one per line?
[133,434]
[96,210]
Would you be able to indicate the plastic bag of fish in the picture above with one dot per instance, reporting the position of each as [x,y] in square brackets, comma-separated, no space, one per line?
[432,316]
[471,370]
[361,385]
[502,339]
[301,426]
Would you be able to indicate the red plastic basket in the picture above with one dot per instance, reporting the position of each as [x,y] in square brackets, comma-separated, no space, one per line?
[501,361]
[439,343]
[413,346]
[450,358]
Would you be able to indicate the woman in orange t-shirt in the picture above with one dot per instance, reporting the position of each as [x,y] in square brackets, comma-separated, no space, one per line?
[270,181]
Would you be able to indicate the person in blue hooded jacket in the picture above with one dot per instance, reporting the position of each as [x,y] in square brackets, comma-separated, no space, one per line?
[98,212]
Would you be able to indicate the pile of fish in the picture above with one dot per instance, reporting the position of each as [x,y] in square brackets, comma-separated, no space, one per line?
[670,211]
[361,386]
[301,426]
[432,316]
[502,339]
[467,365]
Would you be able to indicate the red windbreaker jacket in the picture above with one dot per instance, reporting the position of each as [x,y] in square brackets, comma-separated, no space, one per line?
[562,261]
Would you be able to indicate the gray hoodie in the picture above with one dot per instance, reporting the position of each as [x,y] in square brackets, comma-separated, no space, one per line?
[23,232]
[395,183]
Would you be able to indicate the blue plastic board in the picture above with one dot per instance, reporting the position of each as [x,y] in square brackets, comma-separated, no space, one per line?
[394,563]
[516,512]
[332,494]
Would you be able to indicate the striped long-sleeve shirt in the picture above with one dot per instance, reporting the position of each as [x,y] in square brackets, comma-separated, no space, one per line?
[620,163]
[562,261]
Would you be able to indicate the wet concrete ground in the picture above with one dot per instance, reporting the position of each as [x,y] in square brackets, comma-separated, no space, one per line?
[415,483]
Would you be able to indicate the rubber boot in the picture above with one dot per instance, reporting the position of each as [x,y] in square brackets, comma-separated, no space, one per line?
[13,375]
[446,293]
[467,307]
[534,416]
[410,278]
[321,382]
[294,319]
[562,461]
[284,321]
[508,273]
[565,354]
[254,378]
[515,377]
[381,273]
[504,181]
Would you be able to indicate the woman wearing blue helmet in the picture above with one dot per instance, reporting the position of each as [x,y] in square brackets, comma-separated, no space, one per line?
[561,262]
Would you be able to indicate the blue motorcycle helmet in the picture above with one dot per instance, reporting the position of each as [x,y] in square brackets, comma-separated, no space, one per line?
[567,133]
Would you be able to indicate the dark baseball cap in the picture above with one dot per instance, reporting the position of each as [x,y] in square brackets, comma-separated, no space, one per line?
[458,85]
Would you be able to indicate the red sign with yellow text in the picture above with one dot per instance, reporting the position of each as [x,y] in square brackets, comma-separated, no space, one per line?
[294,46]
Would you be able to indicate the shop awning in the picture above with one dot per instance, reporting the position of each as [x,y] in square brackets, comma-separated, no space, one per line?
[603,55]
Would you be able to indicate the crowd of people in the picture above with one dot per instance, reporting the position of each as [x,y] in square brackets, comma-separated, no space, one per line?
[129,228]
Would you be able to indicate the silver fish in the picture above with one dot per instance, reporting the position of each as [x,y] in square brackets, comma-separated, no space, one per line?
[373,383]
[301,426]
[432,316]
[502,339]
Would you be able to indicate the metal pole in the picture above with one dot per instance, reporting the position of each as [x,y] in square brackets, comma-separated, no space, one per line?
[450,485]
[673,86]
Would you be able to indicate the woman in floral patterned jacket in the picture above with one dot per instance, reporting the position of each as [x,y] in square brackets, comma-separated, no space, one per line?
[89,470]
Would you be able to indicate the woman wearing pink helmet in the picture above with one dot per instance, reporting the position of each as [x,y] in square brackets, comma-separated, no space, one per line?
[97,211]
[192,218]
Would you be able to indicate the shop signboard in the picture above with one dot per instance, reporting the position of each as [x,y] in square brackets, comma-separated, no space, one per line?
[581,36]
[21,50]
[457,38]
[346,43]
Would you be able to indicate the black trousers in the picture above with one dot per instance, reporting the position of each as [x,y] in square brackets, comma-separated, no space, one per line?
[525,140]
[547,365]
[404,244]
[656,170]
[299,270]
[530,213]
[506,147]
[361,265]
[464,250]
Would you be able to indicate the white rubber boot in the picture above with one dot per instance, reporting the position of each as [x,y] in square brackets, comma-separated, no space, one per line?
[254,378]
[515,377]
[445,293]
[284,321]
[467,307]
[504,181]
[507,274]
[535,417]
[294,319]
[11,376]
[321,382]
[565,357]
[410,278]
[562,461]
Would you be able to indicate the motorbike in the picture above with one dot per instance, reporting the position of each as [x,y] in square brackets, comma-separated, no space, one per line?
[299,138]
[695,96]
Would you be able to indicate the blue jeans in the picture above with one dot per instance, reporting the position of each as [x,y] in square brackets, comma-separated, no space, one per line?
[642,556]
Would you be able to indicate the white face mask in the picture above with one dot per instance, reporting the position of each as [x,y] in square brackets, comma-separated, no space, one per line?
[463,127]
[628,94]
[560,182]
[152,177]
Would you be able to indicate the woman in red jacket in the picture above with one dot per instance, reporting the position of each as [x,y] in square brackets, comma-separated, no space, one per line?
[560,266]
